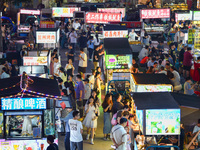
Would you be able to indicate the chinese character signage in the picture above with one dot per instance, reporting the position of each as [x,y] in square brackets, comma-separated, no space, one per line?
[112,10]
[45,37]
[115,34]
[23,103]
[63,12]
[196,15]
[47,24]
[154,13]
[102,17]
[118,61]
[183,16]
[37,61]
[32,12]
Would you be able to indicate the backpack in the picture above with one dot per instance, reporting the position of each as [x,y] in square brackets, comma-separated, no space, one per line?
[114,119]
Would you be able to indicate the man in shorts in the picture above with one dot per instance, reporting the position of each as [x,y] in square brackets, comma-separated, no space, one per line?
[82,63]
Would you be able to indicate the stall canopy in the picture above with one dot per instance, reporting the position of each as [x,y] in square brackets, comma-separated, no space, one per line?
[111,27]
[154,100]
[40,87]
[119,46]
[151,79]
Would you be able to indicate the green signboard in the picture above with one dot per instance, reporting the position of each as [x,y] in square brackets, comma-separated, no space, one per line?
[118,61]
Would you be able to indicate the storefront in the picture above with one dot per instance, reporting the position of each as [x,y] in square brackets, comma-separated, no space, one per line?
[118,58]
[25,19]
[150,83]
[159,116]
[156,22]
[27,116]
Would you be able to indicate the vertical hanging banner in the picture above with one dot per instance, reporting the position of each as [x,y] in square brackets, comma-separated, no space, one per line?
[102,17]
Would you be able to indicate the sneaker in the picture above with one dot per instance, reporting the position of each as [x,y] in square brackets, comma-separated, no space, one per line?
[87,137]
[105,139]
[92,142]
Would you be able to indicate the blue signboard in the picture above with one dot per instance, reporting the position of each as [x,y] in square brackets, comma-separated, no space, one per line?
[23,103]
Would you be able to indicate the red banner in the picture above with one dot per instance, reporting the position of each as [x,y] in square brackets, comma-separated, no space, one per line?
[102,17]
[154,13]
[47,24]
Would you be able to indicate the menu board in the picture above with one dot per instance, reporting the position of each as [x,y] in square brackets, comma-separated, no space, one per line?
[154,88]
[183,16]
[191,33]
[115,34]
[197,39]
[154,13]
[23,103]
[140,116]
[118,61]
[63,11]
[37,61]
[112,10]
[163,122]
[92,17]
[45,37]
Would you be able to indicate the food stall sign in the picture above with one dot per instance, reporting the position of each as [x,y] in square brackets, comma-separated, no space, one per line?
[63,11]
[154,13]
[112,10]
[47,24]
[33,12]
[154,88]
[118,61]
[183,16]
[196,15]
[115,34]
[37,61]
[45,37]
[197,39]
[23,103]
[102,17]
[163,122]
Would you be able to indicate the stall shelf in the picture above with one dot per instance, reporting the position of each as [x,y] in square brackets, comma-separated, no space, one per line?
[150,83]
[118,58]
[28,114]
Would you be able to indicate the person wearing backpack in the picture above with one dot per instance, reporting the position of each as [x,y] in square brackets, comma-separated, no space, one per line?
[52,145]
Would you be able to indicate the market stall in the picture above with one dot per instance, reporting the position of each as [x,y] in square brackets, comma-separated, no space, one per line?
[159,116]
[25,19]
[156,22]
[118,58]
[27,116]
[150,83]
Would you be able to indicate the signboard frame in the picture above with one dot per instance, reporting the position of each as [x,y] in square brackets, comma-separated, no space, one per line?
[158,12]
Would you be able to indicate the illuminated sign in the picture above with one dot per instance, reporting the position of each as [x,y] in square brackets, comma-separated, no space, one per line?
[183,16]
[102,17]
[112,10]
[36,61]
[196,15]
[154,88]
[45,37]
[23,103]
[115,34]
[63,12]
[154,13]
[47,24]
[33,12]
[118,61]
[163,122]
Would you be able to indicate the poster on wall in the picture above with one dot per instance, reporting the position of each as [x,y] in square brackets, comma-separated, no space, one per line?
[42,60]
[191,33]
[102,17]
[112,10]
[115,34]
[118,61]
[154,13]
[163,122]
[63,11]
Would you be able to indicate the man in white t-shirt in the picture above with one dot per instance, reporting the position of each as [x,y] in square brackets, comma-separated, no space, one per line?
[177,37]
[76,25]
[144,52]
[56,66]
[73,38]
[76,131]
[82,65]
[132,35]
[119,135]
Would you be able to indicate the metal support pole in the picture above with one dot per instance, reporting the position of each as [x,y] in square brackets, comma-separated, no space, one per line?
[1,38]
